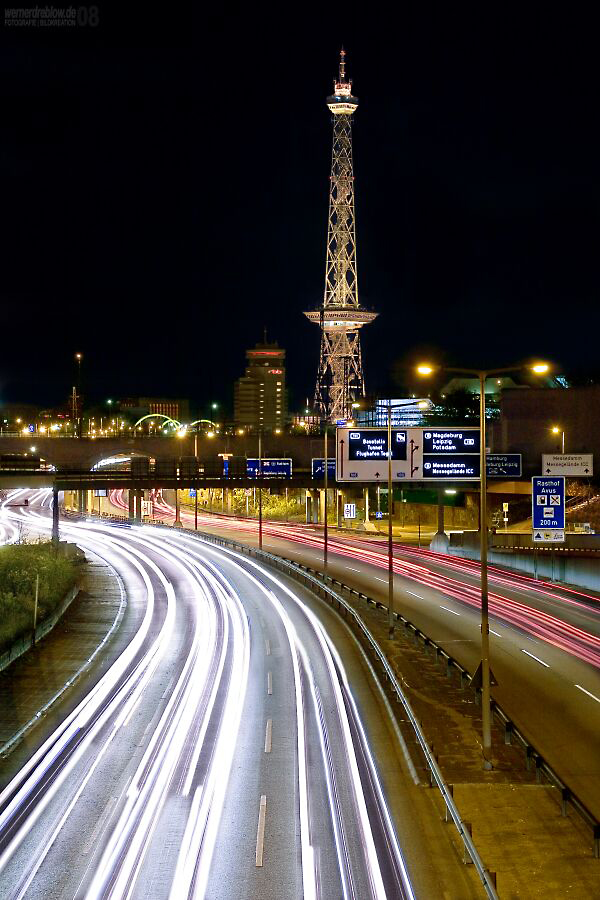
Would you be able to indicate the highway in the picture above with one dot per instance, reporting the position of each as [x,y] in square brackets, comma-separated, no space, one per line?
[545,638]
[222,753]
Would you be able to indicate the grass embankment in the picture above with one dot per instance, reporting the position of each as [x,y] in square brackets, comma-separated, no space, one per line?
[19,565]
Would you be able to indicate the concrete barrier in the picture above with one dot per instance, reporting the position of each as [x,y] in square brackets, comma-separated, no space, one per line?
[575,562]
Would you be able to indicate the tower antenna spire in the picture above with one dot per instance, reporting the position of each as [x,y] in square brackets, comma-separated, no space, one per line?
[340,379]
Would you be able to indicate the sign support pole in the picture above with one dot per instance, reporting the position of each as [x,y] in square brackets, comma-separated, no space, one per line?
[260,535]
[390,533]
[325,510]
[483,553]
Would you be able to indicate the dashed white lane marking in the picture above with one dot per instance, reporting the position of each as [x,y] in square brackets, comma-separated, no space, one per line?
[268,647]
[537,659]
[268,735]
[260,831]
[381,579]
[449,610]
[269,683]
[412,594]
[495,632]
[352,570]
[589,693]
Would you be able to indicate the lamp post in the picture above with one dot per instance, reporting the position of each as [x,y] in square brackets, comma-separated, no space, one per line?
[79,357]
[482,375]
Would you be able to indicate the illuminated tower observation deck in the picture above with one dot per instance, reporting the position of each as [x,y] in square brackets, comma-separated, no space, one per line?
[340,379]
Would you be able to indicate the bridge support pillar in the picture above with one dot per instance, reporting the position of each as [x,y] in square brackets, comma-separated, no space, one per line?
[366,495]
[440,542]
[131,500]
[82,501]
[312,507]
[315,506]
[229,501]
[55,511]
[138,497]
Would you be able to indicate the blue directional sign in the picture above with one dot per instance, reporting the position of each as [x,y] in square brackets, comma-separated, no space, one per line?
[548,501]
[379,514]
[192,492]
[271,468]
[504,465]
[441,466]
[318,467]
[448,440]
[370,444]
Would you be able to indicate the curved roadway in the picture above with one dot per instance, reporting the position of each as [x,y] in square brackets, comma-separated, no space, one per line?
[220,755]
[545,638]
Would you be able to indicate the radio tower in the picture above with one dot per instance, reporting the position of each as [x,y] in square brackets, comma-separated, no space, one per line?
[340,380]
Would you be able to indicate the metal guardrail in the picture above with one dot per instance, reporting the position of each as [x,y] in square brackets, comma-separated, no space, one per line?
[321,589]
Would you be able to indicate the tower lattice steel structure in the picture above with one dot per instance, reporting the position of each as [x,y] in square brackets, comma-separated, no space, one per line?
[340,379]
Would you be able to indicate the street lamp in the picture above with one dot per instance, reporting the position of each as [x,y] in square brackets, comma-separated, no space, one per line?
[539,368]
[556,429]
[79,357]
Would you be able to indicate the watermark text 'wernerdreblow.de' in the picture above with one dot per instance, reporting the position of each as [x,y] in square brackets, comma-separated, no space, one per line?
[51,17]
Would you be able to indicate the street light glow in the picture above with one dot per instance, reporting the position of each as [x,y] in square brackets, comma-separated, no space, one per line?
[425,369]
[555,429]
[540,368]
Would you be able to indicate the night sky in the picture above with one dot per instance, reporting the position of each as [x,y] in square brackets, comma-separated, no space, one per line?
[165,185]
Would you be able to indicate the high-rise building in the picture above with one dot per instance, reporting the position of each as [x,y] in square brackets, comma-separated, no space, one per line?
[177,409]
[340,380]
[259,395]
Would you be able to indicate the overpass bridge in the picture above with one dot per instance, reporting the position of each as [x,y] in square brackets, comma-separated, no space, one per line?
[78,454]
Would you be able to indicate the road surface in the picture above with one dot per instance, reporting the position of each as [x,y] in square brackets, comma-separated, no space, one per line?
[545,638]
[221,755]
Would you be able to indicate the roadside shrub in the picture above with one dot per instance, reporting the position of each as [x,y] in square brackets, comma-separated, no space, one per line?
[19,565]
